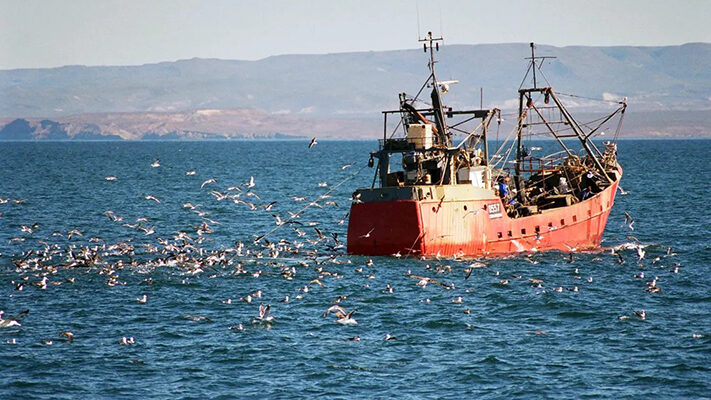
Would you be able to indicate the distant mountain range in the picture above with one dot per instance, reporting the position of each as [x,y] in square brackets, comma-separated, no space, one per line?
[340,94]
[198,124]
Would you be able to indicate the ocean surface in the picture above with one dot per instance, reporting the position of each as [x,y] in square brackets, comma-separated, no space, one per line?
[197,336]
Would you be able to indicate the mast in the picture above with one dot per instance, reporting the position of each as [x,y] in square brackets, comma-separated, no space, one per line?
[570,121]
[432,44]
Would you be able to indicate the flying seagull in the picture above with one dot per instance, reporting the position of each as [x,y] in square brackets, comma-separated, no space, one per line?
[11,321]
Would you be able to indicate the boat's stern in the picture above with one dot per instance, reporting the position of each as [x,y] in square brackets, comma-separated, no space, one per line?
[384,222]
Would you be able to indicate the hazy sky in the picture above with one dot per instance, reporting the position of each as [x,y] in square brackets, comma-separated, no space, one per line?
[127,32]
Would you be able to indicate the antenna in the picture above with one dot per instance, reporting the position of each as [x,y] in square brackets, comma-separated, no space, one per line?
[440,20]
[431,43]
[417,8]
[533,59]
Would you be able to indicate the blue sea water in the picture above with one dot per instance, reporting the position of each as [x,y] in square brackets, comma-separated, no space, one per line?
[517,341]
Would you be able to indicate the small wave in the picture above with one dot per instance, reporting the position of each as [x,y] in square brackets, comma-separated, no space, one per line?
[492,360]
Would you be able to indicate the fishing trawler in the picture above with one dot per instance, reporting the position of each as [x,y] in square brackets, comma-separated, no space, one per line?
[457,199]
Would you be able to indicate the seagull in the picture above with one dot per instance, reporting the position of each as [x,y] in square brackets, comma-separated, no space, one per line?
[389,337]
[629,221]
[264,314]
[250,184]
[111,178]
[640,253]
[12,321]
[190,173]
[344,317]
[211,180]
[29,229]
[150,197]
[641,314]
[143,299]
[313,142]
[126,341]
[345,166]
[156,163]
[68,335]
[570,248]
[112,216]
[367,235]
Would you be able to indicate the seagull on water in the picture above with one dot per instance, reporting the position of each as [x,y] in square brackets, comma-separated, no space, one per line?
[127,340]
[264,314]
[344,317]
[156,163]
[68,335]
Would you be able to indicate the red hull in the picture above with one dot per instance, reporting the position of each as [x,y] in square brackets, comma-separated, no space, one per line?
[468,228]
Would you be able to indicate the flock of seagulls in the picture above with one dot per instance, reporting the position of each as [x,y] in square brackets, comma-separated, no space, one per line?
[306,253]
